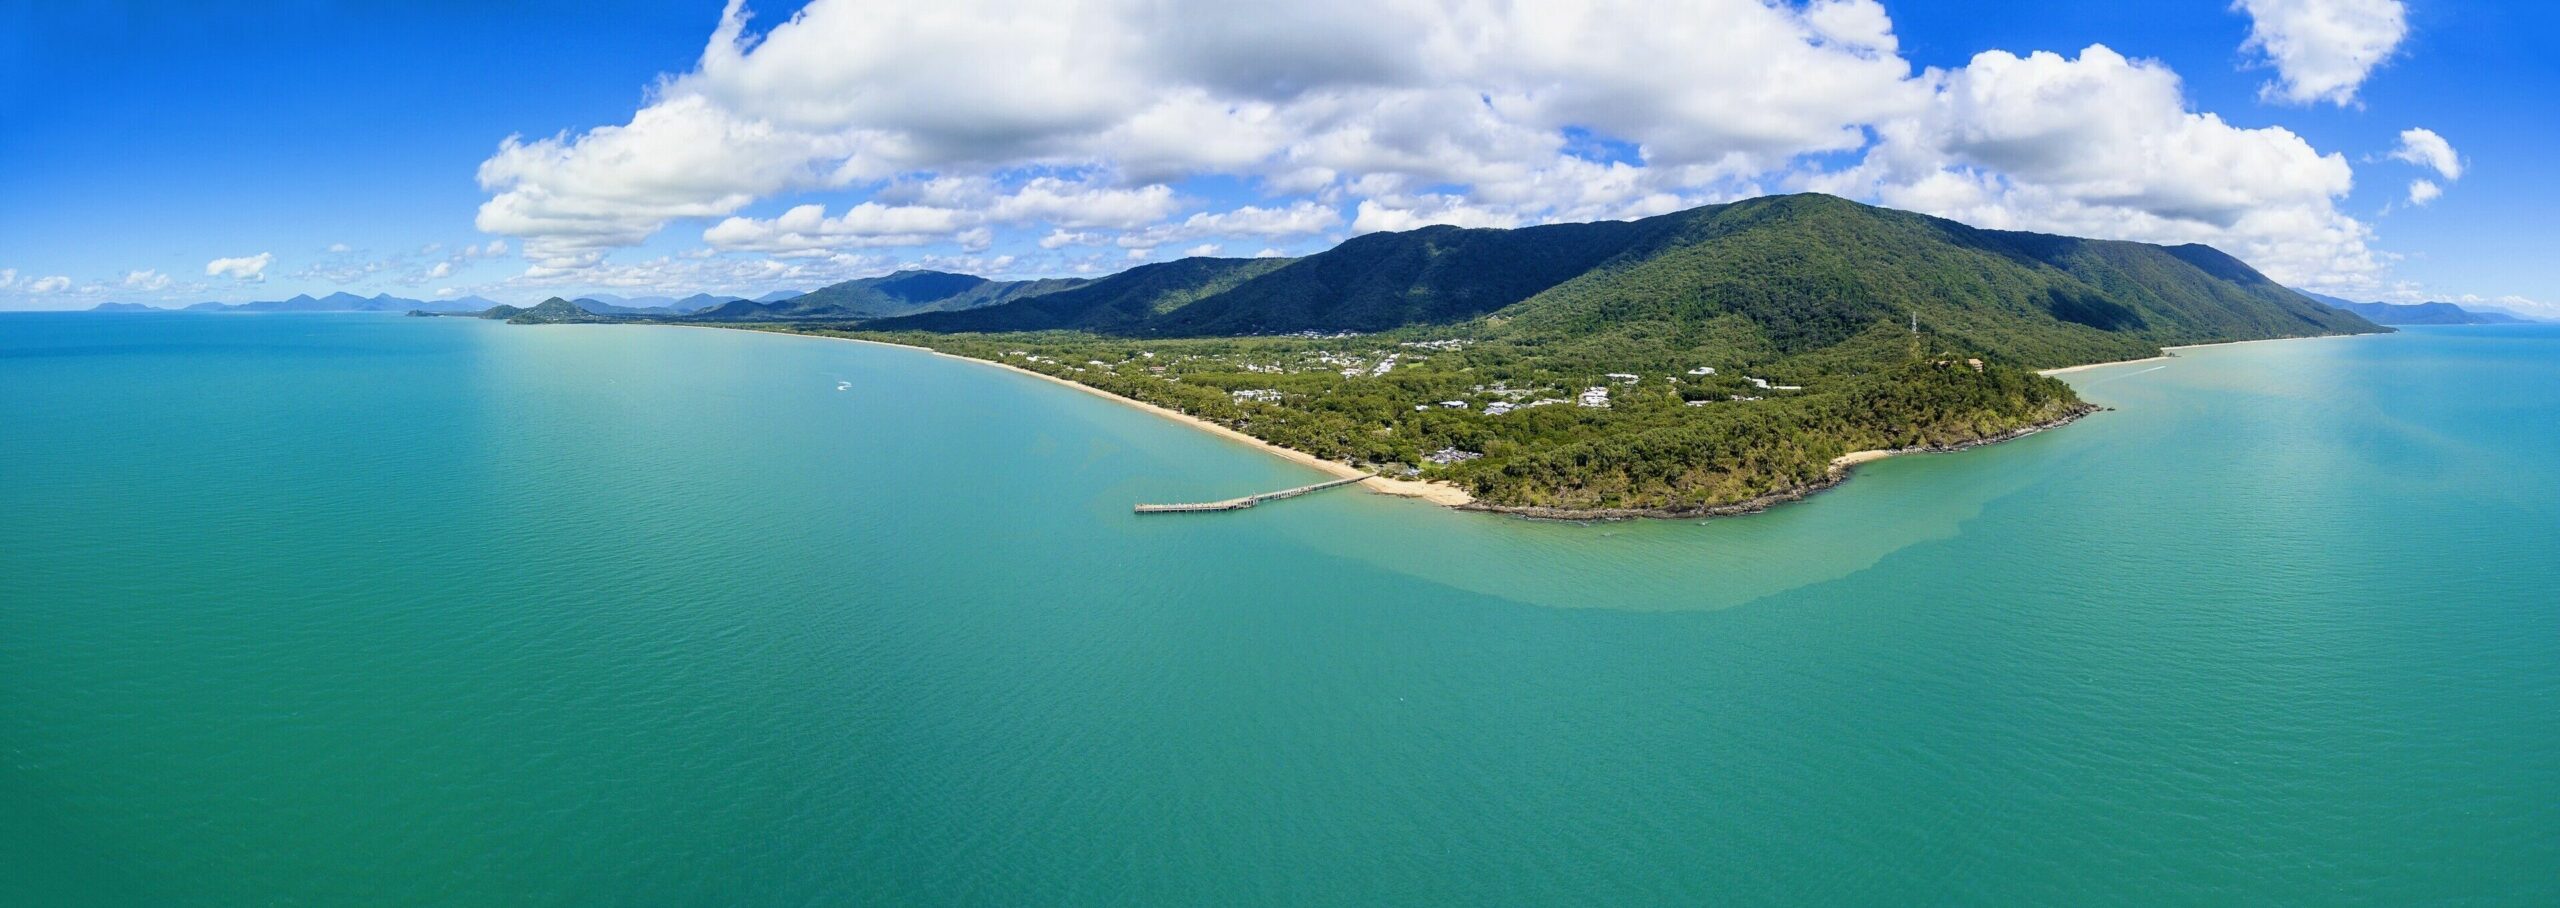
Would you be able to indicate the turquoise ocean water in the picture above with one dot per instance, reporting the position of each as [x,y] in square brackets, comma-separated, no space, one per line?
[336,610]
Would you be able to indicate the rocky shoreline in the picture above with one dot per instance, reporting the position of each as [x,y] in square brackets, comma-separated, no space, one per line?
[1839,473]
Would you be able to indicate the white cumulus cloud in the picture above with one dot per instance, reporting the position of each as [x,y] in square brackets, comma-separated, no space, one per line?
[1061,125]
[2424,191]
[1409,212]
[808,227]
[245,268]
[2322,50]
[2426,149]
[146,280]
[1061,238]
[1368,98]
[2105,146]
[1299,219]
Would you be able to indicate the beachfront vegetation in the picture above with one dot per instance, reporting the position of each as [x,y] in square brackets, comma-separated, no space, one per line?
[1666,438]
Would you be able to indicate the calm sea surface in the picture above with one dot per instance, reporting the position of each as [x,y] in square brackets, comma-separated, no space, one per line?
[366,610]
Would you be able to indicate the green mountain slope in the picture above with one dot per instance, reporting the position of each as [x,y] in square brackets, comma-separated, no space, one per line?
[553,311]
[1793,274]
[1131,301]
[1769,278]
[1433,275]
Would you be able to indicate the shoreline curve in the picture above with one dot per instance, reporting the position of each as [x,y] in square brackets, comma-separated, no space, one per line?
[1449,496]
[1439,493]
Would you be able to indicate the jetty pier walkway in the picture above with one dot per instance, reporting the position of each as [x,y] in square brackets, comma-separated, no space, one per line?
[1238,504]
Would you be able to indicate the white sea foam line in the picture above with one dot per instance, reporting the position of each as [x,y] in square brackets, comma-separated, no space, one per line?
[2128,375]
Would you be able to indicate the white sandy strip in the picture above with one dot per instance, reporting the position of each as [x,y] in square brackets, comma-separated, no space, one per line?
[2066,370]
[2171,352]
[1439,493]
[1855,458]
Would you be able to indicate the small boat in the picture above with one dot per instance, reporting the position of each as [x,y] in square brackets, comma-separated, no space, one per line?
[844,386]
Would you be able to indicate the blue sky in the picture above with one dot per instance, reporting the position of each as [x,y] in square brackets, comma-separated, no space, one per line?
[169,152]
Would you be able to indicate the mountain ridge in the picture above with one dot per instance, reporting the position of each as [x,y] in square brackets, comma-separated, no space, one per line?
[1800,272]
[2429,313]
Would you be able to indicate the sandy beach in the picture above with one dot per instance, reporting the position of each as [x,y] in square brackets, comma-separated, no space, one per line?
[2066,370]
[1855,458]
[1439,493]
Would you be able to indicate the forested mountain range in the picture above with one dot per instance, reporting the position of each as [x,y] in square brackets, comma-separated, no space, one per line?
[1789,274]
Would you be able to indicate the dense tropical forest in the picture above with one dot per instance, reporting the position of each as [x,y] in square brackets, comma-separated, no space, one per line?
[1688,363]
[1516,426]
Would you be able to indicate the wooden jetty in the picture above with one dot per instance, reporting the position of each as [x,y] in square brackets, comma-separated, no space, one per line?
[1238,504]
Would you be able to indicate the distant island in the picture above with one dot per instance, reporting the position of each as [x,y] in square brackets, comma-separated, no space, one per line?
[1710,361]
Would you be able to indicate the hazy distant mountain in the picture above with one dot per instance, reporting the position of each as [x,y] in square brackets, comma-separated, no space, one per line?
[700,301]
[349,302]
[734,311]
[902,293]
[650,306]
[628,302]
[780,295]
[2415,313]
[123,307]
[601,307]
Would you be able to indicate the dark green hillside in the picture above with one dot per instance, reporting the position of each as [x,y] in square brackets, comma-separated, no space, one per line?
[553,311]
[1122,303]
[1794,274]
[1434,275]
[1765,279]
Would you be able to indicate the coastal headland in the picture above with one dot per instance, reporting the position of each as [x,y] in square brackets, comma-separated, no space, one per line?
[1707,362]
